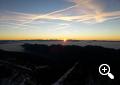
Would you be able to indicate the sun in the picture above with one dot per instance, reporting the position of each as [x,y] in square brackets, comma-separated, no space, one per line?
[65,40]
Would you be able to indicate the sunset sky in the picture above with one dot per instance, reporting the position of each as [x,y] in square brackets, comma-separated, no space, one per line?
[60,19]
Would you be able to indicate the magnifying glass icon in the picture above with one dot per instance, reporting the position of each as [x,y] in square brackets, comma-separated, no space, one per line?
[104,69]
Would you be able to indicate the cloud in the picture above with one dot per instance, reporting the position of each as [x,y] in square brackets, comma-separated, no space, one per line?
[101,17]
[15,17]
[88,5]
[63,26]
[86,11]
[83,11]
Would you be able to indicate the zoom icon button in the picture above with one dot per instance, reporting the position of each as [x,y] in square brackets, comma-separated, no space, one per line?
[104,69]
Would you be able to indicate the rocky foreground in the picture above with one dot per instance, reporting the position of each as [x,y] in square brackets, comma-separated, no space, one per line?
[58,65]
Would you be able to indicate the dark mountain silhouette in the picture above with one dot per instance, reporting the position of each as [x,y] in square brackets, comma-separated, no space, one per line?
[58,65]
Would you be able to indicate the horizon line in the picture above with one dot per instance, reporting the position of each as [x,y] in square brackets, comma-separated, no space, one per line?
[55,40]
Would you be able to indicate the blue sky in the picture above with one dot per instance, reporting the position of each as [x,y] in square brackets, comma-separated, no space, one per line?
[60,19]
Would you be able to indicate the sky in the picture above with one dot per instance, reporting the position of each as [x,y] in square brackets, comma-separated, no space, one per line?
[60,19]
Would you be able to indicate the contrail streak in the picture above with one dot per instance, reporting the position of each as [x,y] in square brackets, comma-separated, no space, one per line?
[54,12]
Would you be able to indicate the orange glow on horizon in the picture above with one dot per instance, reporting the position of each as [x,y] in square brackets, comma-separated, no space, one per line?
[64,38]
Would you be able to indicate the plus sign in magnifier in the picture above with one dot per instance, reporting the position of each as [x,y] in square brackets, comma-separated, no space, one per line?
[104,69]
